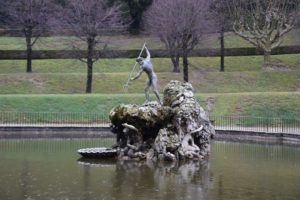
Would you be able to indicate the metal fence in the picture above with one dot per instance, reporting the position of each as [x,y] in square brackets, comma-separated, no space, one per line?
[51,119]
[257,124]
[81,119]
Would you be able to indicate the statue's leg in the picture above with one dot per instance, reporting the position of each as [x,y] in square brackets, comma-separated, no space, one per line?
[154,88]
[148,83]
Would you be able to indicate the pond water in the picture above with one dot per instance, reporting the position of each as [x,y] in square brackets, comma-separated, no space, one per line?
[51,169]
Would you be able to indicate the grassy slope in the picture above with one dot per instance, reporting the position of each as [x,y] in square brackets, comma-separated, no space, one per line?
[206,64]
[59,77]
[203,73]
[243,74]
[242,104]
[112,83]
[134,42]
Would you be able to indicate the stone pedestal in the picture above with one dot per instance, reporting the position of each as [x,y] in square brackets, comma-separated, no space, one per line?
[177,130]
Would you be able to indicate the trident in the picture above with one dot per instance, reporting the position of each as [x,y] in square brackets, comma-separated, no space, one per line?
[125,87]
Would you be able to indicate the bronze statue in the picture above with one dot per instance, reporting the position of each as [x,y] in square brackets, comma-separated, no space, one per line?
[146,66]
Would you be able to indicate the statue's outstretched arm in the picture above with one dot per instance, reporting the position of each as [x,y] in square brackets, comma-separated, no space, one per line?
[148,54]
[137,75]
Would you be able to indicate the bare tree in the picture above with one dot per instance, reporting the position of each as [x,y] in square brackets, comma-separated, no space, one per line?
[264,23]
[179,24]
[222,21]
[31,17]
[88,20]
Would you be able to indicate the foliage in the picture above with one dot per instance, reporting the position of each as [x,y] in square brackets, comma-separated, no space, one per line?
[3,12]
[60,2]
[136,10]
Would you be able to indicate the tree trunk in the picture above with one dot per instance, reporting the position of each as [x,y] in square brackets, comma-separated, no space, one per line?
[267,53]
[267,57]
[89,79]
[175,61]
[29,51]
[185,68]
[222,66]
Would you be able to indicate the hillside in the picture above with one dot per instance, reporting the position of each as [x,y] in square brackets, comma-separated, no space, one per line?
[245,88]
[134,42]
[266,104]
[242,74]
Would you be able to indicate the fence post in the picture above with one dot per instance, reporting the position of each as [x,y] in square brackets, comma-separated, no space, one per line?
[282,125]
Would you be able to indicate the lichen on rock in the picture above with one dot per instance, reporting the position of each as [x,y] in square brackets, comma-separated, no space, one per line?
[177,130]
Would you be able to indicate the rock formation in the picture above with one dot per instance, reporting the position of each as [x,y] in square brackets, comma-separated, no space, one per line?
[177,130]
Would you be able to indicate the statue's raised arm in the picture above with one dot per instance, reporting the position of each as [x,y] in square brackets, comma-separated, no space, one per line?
[148,54]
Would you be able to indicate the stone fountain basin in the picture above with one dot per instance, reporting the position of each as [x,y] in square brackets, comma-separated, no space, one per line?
[98,152]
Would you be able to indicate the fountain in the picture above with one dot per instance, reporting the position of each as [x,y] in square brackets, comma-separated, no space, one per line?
[179,129]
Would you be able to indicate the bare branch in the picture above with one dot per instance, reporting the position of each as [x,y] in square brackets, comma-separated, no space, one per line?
[88,20]
[263,22]
[178,23]
[31,16]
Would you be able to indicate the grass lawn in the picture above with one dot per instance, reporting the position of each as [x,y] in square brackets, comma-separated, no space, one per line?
[203,64]
[284,104]
[133,42]
[244,89]
[112,83]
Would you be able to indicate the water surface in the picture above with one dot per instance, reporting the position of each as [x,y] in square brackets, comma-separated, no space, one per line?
[51,169]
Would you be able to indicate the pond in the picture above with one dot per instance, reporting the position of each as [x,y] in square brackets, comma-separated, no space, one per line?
[52,169]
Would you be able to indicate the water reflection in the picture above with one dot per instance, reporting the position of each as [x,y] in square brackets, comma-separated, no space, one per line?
[86,182]
[148,180]
[51,169]
[24,179]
